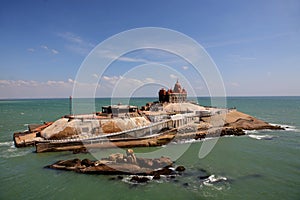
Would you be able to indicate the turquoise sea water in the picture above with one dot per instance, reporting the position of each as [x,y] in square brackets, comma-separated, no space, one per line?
[261,165]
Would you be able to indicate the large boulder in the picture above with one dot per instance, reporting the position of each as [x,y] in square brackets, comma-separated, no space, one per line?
[58,126]
[65,133]
[122,124]
[65,128]
[241,120]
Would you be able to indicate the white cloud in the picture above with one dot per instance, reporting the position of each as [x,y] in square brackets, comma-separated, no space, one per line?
[71,37]
[237,58]
[129,59]
[76,44]
[95,76]
[47,49]
[173,76]
[185,67]
[150,80]
[234,84]
[111,79]
[246,40]
[31,49]
[35,89]
[54,51]
[44,47]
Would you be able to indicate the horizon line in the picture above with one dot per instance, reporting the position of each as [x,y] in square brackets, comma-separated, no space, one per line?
[40,98]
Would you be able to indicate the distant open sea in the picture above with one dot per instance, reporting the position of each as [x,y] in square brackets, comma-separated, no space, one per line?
[260,165]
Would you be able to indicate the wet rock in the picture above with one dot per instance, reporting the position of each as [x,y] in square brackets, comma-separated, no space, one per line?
[203,174]
[109,166]
[172,177]
[70,163]
[86,162]
[185,184]
[201,177]
[138,179]
[156,177]
[163,171]
[180,169]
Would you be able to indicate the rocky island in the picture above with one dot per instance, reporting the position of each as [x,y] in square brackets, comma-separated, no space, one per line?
[170,119]
[120,164]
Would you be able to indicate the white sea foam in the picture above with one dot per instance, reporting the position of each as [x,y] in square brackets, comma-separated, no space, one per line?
[287,127]
[9,144]
[261,137]
[11,153]
[216,182]
[189,141]
[8,150]
[128,178]
[186,141]
[214,179]
[247,132]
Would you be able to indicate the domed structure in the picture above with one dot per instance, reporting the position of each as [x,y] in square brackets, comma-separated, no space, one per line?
[177,95]
[177,87]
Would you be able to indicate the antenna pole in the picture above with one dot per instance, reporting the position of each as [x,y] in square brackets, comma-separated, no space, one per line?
[70,105]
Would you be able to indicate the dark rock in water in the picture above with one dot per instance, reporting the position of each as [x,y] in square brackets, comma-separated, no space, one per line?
[80,150]
[116,178]
[201,177]
[186,184]
[163,171]
[156,177]
[87,162]
[203,174]
[172,177]
[180,169]
[70,163]
[117,164]
[138,179]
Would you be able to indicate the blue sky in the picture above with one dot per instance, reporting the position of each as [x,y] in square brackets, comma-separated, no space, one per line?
[255,44]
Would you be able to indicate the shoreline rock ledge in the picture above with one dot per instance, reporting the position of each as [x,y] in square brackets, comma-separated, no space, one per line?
[120,164]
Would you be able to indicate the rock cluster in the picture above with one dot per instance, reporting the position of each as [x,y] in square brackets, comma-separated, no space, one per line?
[121,164]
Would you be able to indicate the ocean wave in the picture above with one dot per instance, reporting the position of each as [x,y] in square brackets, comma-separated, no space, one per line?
[127,179]
[261,137]
[248,132]
[9,144]
[287,127]
[189,141]
[8,150]
[186,141]
[217,182]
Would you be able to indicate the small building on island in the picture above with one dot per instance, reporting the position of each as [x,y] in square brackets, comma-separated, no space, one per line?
[119,110]
[177,95]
